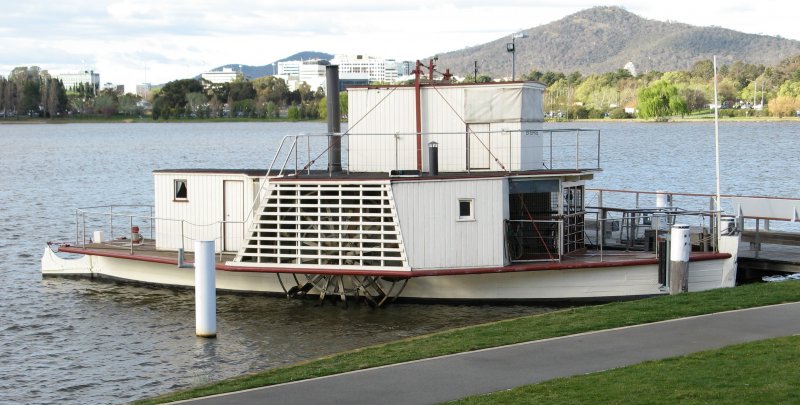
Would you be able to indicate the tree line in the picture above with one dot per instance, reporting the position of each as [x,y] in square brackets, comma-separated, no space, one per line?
[772,90]
[265,97]
[743,89]
[32,92]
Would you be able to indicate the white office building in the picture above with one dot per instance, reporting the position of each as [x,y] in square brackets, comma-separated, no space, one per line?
[376,69]
[72,80]
[289,68]
[226,75]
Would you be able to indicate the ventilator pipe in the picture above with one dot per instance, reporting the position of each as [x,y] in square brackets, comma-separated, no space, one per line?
[433,158]
[205,289]
[334,119]
[680,247]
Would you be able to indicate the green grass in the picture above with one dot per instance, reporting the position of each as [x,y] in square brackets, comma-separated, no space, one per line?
[560,323]
[763,372]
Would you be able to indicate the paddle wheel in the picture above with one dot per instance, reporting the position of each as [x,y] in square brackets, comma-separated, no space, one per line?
[375,291]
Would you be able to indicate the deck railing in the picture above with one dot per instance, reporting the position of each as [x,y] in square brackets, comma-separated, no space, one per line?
[755,214]
[119,221]
[553,149]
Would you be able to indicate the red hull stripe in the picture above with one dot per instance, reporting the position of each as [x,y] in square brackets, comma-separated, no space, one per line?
[695,257]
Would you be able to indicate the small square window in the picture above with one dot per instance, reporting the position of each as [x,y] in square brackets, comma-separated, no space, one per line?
[180,190]
[465,209]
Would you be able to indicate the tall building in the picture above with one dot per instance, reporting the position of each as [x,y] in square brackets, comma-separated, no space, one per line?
[376,69]
[289,68]
[72,80]
[226,75]
[312,72]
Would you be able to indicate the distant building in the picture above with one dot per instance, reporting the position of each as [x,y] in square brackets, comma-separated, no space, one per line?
[405,68]
[226,75]
[376,69]
[289,68]
[631,68]
[313,73]
[87,77]
[143,90]
[117,88]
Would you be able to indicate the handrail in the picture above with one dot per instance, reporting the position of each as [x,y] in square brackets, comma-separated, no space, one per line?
[81,220]
[685,194]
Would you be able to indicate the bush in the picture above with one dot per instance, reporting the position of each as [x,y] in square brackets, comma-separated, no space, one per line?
[618,113]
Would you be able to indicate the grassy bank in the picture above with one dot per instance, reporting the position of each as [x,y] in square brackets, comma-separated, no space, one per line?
[560,323]
[762,372]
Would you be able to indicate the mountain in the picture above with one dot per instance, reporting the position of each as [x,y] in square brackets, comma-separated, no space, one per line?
[604,39]
[252,72]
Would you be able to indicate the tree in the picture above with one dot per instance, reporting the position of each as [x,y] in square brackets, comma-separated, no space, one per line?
[343,103]
[173,95]
[703,69]
[196,102]
[695,99]
[660,99]
[106,103]
[790,88]
[128,104]
[294,113]
[784,106]
[31,97]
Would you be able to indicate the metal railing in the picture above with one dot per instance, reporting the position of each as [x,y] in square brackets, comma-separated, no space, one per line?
[93,218]
[559,149]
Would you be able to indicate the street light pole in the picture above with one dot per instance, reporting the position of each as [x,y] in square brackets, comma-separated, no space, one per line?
[512,48]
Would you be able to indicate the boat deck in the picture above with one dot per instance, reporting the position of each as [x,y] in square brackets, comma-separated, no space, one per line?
[587,260]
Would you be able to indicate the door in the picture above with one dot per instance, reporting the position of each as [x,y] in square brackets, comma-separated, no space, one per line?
[233,229]
[478,146]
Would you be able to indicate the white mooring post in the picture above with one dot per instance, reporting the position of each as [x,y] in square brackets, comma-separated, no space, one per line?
[680,246]
[205,289]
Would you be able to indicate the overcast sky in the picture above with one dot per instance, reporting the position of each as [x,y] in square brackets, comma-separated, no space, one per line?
[133,41]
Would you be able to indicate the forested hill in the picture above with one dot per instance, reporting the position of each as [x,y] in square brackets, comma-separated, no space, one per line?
[604,39]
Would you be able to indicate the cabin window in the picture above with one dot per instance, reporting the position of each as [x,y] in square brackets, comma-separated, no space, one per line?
[465,209]
[180,190]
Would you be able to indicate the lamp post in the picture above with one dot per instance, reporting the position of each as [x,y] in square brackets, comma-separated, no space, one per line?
[510,47]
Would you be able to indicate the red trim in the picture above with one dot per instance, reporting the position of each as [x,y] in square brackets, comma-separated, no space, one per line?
[418,113]
[516,268]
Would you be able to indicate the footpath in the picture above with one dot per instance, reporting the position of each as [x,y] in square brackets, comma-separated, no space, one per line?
[459,375]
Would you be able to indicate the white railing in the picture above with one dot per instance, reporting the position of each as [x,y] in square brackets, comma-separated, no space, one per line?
[552,149]
[121,225]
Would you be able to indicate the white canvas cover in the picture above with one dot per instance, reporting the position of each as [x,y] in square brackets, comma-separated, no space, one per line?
[492,104]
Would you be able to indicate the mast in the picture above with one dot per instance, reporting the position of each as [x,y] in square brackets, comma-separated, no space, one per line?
[716,148]
[418,112]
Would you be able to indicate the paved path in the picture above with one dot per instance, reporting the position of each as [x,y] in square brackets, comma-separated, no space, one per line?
[460,375]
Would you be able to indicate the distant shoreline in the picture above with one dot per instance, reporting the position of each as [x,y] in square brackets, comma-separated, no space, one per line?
[27,121]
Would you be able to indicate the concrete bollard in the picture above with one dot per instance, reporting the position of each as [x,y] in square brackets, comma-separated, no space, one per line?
[680,247]
[205,289]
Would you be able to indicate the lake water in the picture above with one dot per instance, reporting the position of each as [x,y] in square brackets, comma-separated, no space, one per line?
[79,341]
